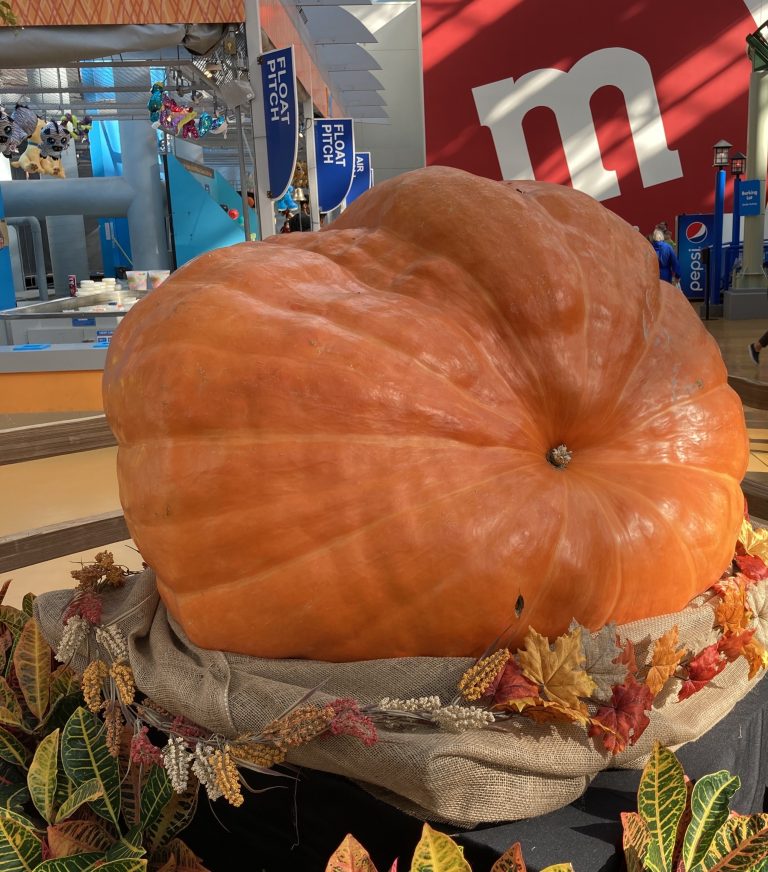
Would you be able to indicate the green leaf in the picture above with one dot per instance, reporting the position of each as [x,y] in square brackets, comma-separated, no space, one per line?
[128,847]
[62,710]
[74,863]
[710,807]
[85,756]
[437,852]
[64,681]
[125,865]
[32,662]
[77,837]
[27,604]
[88,791]
[13,618]
[12,750]
[43,774]
[155,796]
[661,802]
[635,840]
[13,797]
[10,708]
[20,849]
[174,816]
[740,845]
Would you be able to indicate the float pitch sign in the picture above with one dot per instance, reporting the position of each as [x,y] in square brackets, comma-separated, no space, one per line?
[281,117]
[335,158]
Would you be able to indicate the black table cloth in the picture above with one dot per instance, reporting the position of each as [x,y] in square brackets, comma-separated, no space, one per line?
[296,825]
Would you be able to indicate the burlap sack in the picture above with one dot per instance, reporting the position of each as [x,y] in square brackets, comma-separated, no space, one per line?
[476,777]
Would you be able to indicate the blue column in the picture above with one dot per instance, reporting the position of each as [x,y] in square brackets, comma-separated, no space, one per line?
[717,246]
[7,290]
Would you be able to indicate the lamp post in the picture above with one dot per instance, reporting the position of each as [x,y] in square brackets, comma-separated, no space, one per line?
[722,150]
[738,166]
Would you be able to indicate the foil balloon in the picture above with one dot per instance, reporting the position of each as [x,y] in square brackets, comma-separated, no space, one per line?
[286,201]
[6,128]
[204,123]
[25,117]
[189,130]
[155,102]
[219,125]
[174,116]
[54,140]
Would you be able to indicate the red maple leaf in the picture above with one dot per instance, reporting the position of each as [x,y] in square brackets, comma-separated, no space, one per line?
[513,685]
[732,646]
[701,670]
[753,567]
[624,720]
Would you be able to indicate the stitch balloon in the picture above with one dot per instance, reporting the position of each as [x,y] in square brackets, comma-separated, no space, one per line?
[155,102]
[204,123]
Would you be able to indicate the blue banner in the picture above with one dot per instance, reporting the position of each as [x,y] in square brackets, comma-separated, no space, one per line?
[694,234]
[281,117]
[363,178]
[750,197]
[335,157]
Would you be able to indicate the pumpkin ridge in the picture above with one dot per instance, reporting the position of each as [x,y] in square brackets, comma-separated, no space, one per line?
[492,301]
[234,582]
[400,354]
[684,549]
[640,359]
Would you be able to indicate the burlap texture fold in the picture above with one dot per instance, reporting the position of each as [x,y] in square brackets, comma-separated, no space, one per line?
[464,779]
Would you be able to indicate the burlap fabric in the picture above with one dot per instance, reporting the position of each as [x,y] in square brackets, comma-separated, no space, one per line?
[466,779]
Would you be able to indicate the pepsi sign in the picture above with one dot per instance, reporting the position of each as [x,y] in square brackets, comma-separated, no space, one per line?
[694,234]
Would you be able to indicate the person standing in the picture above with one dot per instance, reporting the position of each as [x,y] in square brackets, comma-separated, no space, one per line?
[754,348]
[669,268]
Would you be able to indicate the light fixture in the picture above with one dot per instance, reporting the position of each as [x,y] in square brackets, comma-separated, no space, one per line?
[738,164]
[722,150]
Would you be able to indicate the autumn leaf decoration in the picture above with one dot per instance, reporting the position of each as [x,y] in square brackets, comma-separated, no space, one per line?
[594,678]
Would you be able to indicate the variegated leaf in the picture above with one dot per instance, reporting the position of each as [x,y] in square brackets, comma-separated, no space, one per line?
[350,856]
[710,807]
[437,852]
[42,777]
[32,662]
[661,802]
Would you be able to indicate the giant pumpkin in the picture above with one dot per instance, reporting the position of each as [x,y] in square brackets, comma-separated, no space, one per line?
[347,445]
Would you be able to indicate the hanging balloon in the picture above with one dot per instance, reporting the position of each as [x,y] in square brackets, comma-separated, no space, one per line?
[176,115]
[219,125]
[25,117]
[189,131]
[233,214]
[155,102]
[286,201]
[84,128]
[204,123]
[54,140]
[6,128]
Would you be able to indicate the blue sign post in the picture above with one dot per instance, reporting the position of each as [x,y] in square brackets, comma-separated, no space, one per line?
[335,156]
[363,178]
[281,117]
[695,233]
[7,290]
[750,197]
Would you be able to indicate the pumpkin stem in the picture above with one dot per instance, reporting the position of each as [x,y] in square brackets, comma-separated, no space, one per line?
[559,457]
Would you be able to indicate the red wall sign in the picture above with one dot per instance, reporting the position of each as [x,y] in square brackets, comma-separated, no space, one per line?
[622,100]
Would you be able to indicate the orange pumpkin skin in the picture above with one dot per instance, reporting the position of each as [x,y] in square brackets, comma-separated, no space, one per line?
[334,445]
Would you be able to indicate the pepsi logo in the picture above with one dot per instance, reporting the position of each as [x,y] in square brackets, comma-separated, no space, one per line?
[696,232]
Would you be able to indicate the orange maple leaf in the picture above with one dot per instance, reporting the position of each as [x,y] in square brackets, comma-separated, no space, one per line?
[666,656]
[559,669]
[731,612]
[757,657]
